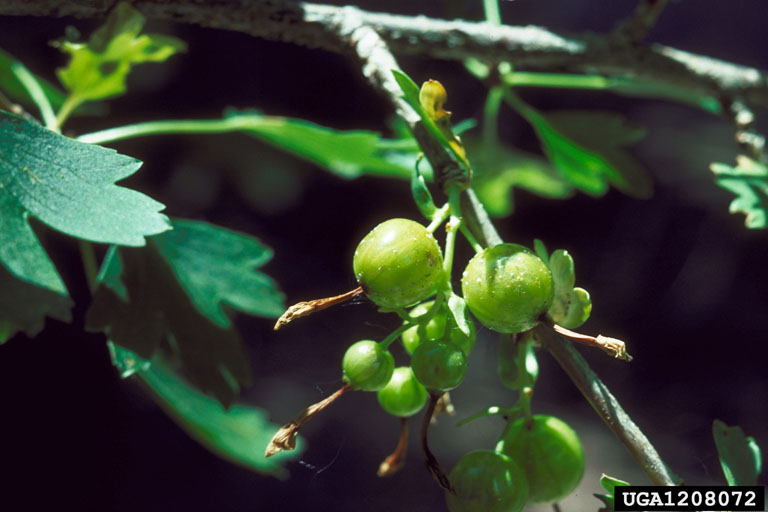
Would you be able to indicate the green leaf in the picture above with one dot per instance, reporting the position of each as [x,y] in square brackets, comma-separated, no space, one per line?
[571,306]
[238,434]
[421,195]
[24,306]
[748,180]
[458,309]
[739,454]
[216,266]
[98,69]
[69,186]
[349,154]
[172,294]
[498,170]
[411,96]
[517,364]
[609,483]
[126,361]
[541,250]
[605,135]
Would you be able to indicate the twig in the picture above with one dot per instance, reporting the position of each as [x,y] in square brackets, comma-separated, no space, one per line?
[526,47]
[637,26]
[743,119]
[606,405]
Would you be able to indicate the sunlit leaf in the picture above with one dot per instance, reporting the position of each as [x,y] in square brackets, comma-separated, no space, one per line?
[173,294]
[70,186]
[98,69]
[748,180]
[740,456]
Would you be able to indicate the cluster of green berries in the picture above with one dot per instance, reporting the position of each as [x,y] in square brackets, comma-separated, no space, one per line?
[508,289]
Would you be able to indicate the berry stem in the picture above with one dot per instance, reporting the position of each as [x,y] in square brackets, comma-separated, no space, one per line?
[433,466]
[396,460]
[386,342]
[439,217]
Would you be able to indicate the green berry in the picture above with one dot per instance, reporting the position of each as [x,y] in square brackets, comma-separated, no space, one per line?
[438,365]
[550,453]
[403,396]
[507,287]
[367,366]
[440,327]
[486,481]
[398,263]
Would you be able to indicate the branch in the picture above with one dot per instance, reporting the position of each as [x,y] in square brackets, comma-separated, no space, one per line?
[607,407]
[351,30]
[528,47]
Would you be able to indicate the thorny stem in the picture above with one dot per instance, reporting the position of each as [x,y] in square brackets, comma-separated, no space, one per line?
[433,466]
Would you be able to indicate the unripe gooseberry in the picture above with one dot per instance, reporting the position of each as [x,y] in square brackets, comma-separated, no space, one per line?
[435,329]
[367,366]
[487,481]
[403,395]
[550,453]
[439,365]
[398,263]
[507,287]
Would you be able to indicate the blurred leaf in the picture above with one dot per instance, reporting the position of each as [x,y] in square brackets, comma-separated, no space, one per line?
[13,88]
[173,291]
[587,148]
[349,154]
[739,454]
[748,180]
[24,306]
[238,434]
[499,169]
[609,483]
[70,186]
[98,69]
[126,361]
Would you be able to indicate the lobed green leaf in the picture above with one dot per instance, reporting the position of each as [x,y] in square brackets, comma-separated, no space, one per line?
[748,180]
[98,69]
[70,186]
[740,456]
[173,293]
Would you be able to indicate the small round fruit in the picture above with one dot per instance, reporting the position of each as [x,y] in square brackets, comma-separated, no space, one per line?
[550,453]
[403,395]
[486,481]
[367,366]
[435,329]
[398,263]
[507,287]
[438,365]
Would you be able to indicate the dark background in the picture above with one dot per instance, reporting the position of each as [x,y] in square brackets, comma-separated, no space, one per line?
[676,276]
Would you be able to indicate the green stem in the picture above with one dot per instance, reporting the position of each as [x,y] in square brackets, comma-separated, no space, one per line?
[69,105]
[492,14]
[386,342]
[439,217]
[90,266]
[557,80]
[32,86]
[231,124]
[491,115]
[477,246]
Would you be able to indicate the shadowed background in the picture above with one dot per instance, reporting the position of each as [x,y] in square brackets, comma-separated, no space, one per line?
[676,276]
